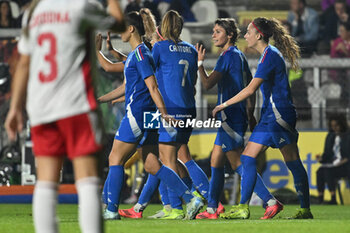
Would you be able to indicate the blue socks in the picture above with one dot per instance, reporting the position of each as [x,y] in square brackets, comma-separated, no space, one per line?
[105,191]
[260,188]
[198,177]
[248,178]
[175,200]
[216,185]
[148,189]
[301,182]
[163,191]
[115,184]
[174,183]
[188,182]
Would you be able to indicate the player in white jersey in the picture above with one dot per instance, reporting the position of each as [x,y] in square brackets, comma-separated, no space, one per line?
[54,79]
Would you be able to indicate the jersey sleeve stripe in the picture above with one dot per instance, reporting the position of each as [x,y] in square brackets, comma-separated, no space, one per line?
[262,60]
[137,56]
[141,53]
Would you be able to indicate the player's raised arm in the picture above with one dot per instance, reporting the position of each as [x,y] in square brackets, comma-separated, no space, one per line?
[116,53]
[208,81]
[105,63]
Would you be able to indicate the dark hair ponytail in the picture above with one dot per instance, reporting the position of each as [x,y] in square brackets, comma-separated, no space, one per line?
[283,41]
[134,19]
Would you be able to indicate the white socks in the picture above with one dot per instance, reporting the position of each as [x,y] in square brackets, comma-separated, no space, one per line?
[89,195]
[45,201]
[44,207]
[211,210]
[168,207]
[138,207]
[271,202]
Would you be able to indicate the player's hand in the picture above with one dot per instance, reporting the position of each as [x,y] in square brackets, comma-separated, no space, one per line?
[108,41]
[201,52]
[14,123]
[119,100]
[217,109]
[98,42]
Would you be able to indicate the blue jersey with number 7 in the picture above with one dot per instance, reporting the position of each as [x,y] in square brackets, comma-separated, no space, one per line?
[176,73]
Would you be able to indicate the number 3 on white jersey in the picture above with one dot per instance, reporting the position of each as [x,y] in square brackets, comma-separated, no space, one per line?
[184,62]
[50,57]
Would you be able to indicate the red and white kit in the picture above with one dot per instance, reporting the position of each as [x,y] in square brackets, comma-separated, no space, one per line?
[60,79]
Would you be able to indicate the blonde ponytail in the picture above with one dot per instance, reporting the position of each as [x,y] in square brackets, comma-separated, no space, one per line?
[149,23]
[172,24]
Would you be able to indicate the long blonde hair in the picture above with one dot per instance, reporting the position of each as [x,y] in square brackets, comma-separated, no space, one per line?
[149,23]
[283,41]
[172,25]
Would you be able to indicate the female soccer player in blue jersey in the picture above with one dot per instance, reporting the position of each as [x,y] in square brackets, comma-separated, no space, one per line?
[176,72]
[153,35]
[276,127]
[232,74]
[141,93]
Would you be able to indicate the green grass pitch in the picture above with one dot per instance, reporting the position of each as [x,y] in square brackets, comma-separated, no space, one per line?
[16,218]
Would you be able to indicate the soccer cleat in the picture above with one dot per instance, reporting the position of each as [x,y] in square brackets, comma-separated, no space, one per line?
[109,215]
[220,209]
[237,212]
[197,194]
[272,211]
[207,215]
[130,213]
[226,214]
[303,213]
[160,213]
[174,214]
[193,207]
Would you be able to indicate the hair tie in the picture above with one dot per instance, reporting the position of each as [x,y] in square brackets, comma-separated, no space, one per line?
[159,33]
[257,29]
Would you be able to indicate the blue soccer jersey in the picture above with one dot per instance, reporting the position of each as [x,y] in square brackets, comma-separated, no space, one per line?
[276,127]
[233,66]
[176,72]
[277,101]
[139,65]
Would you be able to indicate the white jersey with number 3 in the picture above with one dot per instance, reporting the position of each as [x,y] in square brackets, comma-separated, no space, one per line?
[60,82]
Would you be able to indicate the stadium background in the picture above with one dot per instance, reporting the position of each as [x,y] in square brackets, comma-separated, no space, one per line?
[315,91]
